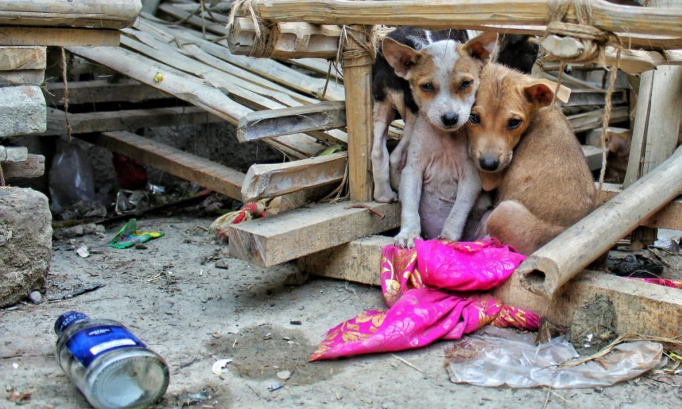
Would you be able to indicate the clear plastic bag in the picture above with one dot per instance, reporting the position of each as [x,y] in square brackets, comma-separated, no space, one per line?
[71,178]
[497,357]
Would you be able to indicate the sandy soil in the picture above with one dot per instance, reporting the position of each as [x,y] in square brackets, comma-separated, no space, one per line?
[173,296]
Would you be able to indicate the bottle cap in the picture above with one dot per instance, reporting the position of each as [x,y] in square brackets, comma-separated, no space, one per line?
[67,319]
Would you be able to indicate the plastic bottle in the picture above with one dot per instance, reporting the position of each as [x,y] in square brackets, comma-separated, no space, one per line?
[111,366]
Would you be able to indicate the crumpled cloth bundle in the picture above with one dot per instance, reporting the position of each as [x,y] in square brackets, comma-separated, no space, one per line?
[432,292]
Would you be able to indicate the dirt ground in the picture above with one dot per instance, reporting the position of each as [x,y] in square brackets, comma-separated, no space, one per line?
[175,297]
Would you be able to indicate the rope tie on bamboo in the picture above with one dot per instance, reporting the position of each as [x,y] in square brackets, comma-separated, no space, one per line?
[266,33]
[362,53]
[591,42]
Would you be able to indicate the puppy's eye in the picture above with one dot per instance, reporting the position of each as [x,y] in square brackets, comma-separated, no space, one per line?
[474,119]
[513,123]
[427,87]
[465,84]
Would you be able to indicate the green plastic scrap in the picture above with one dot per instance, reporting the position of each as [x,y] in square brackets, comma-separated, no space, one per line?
[129,236]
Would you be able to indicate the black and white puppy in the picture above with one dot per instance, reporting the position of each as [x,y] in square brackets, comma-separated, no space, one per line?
[393,97]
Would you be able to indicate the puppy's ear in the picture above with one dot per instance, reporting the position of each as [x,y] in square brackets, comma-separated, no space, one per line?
[482,46]
[401,57]
[541,91]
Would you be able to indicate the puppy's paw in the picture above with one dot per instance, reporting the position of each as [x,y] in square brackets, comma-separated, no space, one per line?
[450,235]
[406,239]
[385,195]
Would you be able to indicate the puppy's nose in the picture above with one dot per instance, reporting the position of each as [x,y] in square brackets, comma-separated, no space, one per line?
[449,119]
[489,164]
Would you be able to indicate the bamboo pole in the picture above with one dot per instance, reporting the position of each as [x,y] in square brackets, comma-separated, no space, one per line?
[82,13]
[468,14]
[357,69]
[553,265]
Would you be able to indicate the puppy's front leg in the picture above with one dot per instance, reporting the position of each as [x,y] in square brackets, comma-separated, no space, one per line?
[467,192]
[410,196]
[398,157]
[383,116]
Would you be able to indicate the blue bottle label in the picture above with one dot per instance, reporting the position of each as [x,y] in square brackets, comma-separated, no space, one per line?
[88,344]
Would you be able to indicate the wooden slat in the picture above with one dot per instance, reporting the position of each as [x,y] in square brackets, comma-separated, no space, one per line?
[589,97]
[593,119]
[126,120]
[82,13]
[22,58]
[467,14]
[640,307]
[174,161]
[90,92]
[670,217]
[58,37]
[287,121]
[290,235]
[593,155]
[33,167]
[270,180]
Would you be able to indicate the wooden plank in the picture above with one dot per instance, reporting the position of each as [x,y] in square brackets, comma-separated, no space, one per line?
[83,13]
[580,97]
[294,40]
[357,68]
[593,155]
[13,153]
[593,119]
[150,6]
[467,14]
[287,236]
[270,180]
[58,37]
[22,58]
[91,92]
[358,261]
[190,167]
[640,307]
[126,120]
[670,217]
[33,167]
[21,77]
[286,121]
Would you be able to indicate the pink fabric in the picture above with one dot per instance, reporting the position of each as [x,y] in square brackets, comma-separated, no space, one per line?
[414,284]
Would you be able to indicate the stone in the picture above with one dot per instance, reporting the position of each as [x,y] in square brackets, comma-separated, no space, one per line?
[25,243]
[23,109]
[36,297]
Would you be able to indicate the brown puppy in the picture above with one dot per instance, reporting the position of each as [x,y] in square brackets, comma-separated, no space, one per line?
[548,185]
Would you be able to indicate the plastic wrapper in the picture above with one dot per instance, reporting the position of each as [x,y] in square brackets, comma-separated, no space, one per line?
[498,357]
[71,179]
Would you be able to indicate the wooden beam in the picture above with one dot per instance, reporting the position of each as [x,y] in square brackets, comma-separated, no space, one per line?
[58,37]
[270,180]
[669,217]
[286,121]
[580,97]
[593,119]
[13,153]
[33,167]
[82,13]
[22,77]
[290,235]
[190,167]
[357,79]
[641,308]
[126,120]
[92,92]
[22,58]
[468,14]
